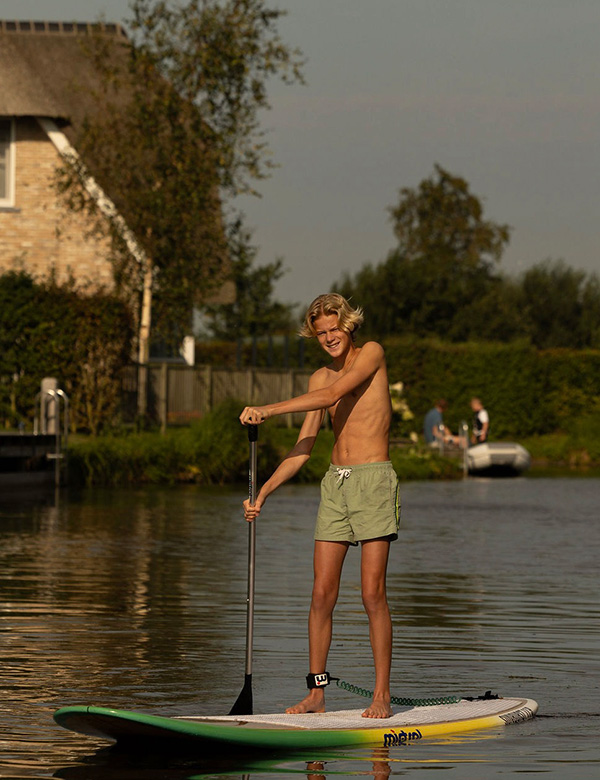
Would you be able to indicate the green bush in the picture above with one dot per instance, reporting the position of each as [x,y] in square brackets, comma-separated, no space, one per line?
[417,463]
[577,447]
[83,338]
[213,450]
[526,392]
[584,433]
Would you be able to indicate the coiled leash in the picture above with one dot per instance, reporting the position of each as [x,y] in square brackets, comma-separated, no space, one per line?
[321,680]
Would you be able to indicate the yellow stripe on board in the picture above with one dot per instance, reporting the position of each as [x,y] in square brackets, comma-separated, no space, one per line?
[394,737]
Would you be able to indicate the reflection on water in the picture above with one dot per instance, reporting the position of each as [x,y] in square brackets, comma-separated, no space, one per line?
[136,599]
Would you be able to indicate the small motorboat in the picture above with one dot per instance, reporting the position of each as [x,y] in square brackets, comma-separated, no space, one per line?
[497,459]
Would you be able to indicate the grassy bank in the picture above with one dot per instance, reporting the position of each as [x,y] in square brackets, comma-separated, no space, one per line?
[577,448]
[214,451]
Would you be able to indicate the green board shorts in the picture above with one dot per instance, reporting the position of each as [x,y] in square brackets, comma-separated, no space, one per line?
[359,503]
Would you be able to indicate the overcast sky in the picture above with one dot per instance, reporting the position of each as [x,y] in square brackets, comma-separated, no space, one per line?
[505,93]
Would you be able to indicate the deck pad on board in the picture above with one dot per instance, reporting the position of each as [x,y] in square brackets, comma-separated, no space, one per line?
[352,719]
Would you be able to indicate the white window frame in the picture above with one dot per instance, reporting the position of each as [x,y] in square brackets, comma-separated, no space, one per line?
[8,201]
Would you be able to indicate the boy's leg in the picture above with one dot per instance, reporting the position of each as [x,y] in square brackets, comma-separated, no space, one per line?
[374,560]
[328,561]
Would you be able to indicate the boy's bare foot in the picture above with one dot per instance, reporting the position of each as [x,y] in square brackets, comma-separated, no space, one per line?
[314,701]
[380,708]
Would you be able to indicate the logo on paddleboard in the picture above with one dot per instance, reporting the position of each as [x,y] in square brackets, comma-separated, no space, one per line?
[394,738]
[525,713]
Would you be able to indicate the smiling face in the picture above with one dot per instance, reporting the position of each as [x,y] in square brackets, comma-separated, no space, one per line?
[334,340]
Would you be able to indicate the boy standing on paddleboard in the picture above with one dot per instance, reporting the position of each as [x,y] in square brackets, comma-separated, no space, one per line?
[359,493]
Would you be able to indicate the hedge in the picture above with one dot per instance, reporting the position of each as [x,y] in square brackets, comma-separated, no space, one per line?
[525,391]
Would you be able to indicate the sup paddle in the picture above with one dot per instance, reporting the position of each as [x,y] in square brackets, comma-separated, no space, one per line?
[243,704]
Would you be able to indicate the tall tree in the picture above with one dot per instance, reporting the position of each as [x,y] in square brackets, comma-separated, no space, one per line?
[253,312]
[443,261]
[443,218]
[175,130]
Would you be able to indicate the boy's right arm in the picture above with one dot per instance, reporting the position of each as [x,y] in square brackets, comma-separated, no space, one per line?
[290,465]
[296,457]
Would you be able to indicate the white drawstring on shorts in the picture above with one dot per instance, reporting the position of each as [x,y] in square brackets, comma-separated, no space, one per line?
[343,474]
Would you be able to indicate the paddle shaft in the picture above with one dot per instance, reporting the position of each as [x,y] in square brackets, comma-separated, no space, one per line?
[253,439]
[243,704]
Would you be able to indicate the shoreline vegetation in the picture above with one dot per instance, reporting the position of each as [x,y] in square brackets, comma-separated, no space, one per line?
[214,451]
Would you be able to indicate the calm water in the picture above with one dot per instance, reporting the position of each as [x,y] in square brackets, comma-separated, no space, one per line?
[136,599]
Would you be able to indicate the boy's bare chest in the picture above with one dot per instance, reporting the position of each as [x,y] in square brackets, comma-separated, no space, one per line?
[356,400]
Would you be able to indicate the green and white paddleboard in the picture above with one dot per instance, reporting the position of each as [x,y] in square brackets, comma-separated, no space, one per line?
[282,732]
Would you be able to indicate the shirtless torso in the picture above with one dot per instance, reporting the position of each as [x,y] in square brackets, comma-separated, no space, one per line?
[360,419]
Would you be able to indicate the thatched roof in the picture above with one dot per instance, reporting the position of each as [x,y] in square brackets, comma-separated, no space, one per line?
[44,70]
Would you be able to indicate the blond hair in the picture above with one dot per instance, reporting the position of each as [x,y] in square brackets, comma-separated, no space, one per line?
[349,319]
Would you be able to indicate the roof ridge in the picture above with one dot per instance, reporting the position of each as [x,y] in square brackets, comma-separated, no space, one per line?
[61,28]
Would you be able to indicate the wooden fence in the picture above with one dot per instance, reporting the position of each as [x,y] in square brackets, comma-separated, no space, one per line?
[176,394]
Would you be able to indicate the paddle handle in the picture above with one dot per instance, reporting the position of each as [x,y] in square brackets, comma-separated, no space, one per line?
[252,469]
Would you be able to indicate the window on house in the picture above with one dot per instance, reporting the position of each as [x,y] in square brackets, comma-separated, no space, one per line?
[6,162]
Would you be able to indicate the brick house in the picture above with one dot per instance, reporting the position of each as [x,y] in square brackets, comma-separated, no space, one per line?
[39,108]
[47,83]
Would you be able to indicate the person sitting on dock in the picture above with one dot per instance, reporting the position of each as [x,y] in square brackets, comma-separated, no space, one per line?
[481,422]
[435,432]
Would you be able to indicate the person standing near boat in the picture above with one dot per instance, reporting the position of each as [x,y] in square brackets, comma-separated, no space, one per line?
[481,422]
[359,492]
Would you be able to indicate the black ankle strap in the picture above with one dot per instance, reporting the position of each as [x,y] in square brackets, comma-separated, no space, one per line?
[319,680]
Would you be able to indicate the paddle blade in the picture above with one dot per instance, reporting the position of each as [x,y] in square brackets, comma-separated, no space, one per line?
[243,704]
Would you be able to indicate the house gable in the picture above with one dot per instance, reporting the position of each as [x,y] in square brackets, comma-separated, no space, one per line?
[49,81]
[39,63]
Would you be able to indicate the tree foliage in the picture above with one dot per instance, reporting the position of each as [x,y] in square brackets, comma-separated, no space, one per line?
[254,312]
[561,306]
[443,261]
[219,55]
[174,129]
[442,279]
[443,219]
